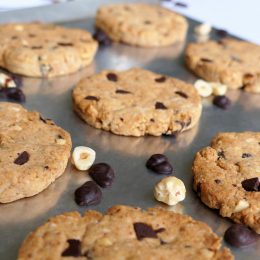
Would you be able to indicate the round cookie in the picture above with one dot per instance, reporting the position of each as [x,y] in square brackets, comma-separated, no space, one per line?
[141,24]
[44,50]
[231,62]
[34,152]
[123,233]
[225,176]
[136,102]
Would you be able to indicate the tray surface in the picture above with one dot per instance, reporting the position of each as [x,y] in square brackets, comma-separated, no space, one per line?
[127,155]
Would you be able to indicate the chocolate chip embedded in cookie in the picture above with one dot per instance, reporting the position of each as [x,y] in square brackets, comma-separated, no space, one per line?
[137,102]
[226,176]
[123,233]
[31,157]
[44,50]
[140,24]
[231,62]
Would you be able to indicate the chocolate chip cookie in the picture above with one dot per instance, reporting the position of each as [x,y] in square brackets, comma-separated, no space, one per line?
[136,102]
[231,62]
[141,24]
[226,176]
[123,233]
[44,50]
[34,152]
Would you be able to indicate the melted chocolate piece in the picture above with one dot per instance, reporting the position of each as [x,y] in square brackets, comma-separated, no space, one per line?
[92,98]
[112,77]
[252,184]
[160,105]
[182,94]
[143,230]
[161,79]
[122,91]
[74,248]
[22,158]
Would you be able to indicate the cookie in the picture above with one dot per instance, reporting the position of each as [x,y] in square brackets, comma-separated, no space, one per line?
[123,233]
[226,176]
[231,62]
[34,152]
[136,102]
[44,50]
[141,24]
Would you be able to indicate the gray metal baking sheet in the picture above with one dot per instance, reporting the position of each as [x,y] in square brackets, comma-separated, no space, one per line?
[127,155]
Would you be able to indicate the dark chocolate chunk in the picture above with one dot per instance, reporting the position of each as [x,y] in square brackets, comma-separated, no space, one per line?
[246,155]
[65,44]
[161,79]
[92,98]
[159,163]
[122,91]
[88,194]
[181,4]
[156,159]
[160,105]
[112,77]
[206,60]
[102,174]
[221,33]
[143,230]
[222,102]
[102,38]
[251,184]
[22,158]
[240,236]
[218,181]
[74,248]
[15,94]
[182,94]
[221,154]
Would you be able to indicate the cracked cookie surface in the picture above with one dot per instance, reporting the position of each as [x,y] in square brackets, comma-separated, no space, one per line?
[123,233]
[136,102]
[33,152]
[226,176]
[231,62]
[141,24]
[44,50]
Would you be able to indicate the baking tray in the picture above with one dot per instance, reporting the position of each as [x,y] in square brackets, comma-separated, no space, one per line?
[127,155]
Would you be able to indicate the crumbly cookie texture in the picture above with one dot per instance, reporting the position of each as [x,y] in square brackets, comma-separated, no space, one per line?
[137,102]
[123,233]
[219,171]
[33,152]
[231,62]
[44,50]
[141,24]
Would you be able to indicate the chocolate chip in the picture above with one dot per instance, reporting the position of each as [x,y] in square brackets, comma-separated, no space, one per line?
[218,181]
[88,194]
[121,91]
[15,94]
[221,154]
[161,79]
[46,167]
[102,37]
[102,174]
[160,105]
[65,44]
[252,184]
[22,158]
[182,94]
[159,163]
[143,230]
[246,155]
[240,236]
[221,33]
[74,248]
[92,98]
[112,77]
[222,102]
[206,60]
[181,4]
